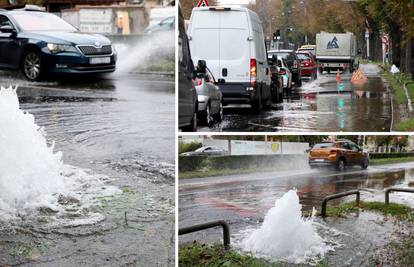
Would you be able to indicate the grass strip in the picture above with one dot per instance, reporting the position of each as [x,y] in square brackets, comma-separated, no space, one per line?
[215,255]
[390,160]
[399,211]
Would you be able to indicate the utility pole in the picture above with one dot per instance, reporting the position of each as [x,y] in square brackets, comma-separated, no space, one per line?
[367,39]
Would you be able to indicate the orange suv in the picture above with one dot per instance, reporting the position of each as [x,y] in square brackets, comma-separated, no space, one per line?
[338,154]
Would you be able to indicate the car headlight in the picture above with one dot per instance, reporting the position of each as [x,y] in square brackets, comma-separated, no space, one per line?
[58,48]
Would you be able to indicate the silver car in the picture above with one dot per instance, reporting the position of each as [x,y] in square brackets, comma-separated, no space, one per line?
[210,105]
[207,151]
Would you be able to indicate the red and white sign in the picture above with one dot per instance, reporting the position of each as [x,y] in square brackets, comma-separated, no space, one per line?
[202,3]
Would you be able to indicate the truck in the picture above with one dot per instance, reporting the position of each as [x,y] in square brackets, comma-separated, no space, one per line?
[336,51]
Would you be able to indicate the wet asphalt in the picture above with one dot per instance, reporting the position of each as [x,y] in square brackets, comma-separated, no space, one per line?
[321,105]
[120,126]
[243,201]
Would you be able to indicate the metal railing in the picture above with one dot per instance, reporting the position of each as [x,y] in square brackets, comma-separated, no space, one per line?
[339,195]
[389,190]
[204,226]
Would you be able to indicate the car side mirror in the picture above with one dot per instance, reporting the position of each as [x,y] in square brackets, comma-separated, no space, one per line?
[201,66]
[7,29]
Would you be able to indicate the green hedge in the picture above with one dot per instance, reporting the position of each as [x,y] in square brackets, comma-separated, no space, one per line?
[391,155]
[187,147]
[197,163]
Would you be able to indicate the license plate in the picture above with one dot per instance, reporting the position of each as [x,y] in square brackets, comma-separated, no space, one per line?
[319,160]
[100,60]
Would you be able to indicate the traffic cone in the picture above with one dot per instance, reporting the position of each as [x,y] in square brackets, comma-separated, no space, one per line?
[338,76]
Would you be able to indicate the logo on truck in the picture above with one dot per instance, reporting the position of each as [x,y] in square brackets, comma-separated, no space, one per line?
[333,44]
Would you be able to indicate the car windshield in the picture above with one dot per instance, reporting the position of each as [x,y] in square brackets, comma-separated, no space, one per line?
[323,145]
[280,54]
[201,149]
[303,57]
[39,21]
[168,20]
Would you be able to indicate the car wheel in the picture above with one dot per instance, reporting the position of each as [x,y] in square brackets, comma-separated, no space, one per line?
[365,164]
[32,66]
[257,105]
[340,165]
[193,125]
[219,115]
[208,118]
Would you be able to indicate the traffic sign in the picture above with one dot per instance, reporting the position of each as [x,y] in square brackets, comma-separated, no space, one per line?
[202,3]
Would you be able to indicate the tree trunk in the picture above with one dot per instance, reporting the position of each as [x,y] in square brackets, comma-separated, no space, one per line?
[408,56]
[396,43]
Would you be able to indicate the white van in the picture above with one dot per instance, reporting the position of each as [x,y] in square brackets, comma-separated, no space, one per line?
[231,41]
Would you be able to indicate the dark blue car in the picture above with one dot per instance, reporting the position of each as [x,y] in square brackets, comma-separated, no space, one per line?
[37,43]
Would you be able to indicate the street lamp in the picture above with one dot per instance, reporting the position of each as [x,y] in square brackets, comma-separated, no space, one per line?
[306,18]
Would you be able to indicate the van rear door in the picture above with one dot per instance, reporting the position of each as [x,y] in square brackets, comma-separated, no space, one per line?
[234,46]
[205,39]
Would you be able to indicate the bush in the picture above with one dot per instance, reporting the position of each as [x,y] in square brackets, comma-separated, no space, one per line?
[186,147]
[198,163]
[390,155]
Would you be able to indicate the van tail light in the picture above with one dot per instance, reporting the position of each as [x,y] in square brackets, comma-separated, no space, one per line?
[253,71]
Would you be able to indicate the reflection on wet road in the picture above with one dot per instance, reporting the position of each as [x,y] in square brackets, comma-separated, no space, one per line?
[320,105]
[119,126]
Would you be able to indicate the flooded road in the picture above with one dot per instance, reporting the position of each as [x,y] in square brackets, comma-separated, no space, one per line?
[243,201]
[320,105]
[117,129]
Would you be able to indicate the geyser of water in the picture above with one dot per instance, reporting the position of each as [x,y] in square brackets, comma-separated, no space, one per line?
[32,175]
[285,235]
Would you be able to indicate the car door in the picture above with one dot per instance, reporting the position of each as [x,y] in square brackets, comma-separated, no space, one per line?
[214,92]
[186,86]
[346,152]
[357,153]
[9,45]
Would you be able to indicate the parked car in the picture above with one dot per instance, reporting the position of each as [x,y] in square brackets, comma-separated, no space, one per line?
[206,151]
[276,80]
[167,24]
[37,43]
[308,64]
[187,94]
[292,61]
[308,48]
[339,154]
[286,75]
[231,41]
[210,105]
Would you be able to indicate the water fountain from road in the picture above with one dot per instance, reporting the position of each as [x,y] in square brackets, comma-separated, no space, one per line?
[32,175]
[285,235]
